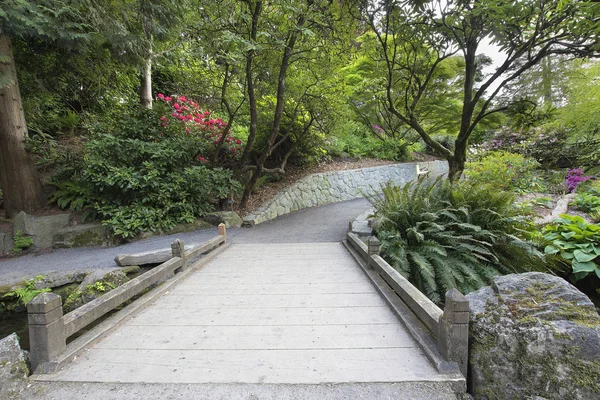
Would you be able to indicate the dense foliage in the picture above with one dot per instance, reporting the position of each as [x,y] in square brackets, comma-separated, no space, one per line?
[505,171]
[441,236]
[578,245]
[140,174]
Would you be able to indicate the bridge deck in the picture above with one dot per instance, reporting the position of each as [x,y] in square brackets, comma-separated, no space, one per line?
[261,313]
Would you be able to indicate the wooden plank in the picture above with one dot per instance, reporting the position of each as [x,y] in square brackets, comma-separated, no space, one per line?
[351,276]
[258,337]
[421,305]
[252,366]
[157,315]
[197,250]
[357,244]
[196,302]
[88,313]
[266,288]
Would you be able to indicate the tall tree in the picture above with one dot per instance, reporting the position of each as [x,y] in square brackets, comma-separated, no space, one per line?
[141,31]
[46,20]
[415,38]
[284,36]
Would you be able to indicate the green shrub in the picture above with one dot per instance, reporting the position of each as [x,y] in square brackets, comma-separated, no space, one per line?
[140,176]
[577,243]
[506,171]
[369,146]
[441,237]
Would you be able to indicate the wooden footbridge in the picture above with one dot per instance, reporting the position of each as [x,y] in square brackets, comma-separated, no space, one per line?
[306,314]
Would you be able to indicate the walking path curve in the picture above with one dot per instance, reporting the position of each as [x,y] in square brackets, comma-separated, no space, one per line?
[319,224]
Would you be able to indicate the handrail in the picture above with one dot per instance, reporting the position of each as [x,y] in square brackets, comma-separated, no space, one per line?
[449,326]
[49,328]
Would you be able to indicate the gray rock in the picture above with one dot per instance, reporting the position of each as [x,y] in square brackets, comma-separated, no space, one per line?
[6,243]
[97,283]
[532,335]
[229,218]
[13,368]
[194,226]
[82,236]
[146,257]
[41,229]
[57,279]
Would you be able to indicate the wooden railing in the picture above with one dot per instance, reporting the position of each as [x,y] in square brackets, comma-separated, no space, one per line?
[449,327]
[49,328]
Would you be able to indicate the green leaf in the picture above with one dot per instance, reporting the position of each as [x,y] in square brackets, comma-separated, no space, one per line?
[582,257]
[567,235]
[551,250]
[584,266]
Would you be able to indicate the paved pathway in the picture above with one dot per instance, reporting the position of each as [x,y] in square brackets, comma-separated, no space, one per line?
[268,313]
[319,224]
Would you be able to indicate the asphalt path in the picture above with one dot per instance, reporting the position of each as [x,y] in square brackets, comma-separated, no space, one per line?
[317,224]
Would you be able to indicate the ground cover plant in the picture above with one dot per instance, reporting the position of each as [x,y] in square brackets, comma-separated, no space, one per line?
[576,243]
[442,236]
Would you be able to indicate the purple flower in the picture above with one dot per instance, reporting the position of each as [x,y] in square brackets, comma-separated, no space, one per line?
[574,178]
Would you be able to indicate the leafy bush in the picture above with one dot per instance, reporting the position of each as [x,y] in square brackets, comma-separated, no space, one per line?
[587,202]
[505,171]
[367,145]
[441,236]
[141,173]
[545,145]
[577,243]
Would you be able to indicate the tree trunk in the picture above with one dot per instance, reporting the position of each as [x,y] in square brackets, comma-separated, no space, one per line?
[250,186]
[456,167]
[21,187]
[146,87]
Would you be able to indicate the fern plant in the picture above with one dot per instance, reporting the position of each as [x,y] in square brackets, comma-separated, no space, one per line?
[441,236]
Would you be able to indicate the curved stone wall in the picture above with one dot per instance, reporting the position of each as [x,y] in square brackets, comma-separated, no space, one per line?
[331,187]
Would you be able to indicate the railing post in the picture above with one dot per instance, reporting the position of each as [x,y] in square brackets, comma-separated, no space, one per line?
[373,247]
[178,250]
[46,328]
[221,230]
[453,330]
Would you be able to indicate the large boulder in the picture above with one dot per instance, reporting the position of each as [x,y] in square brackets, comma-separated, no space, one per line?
[6,243]
[532,335]
[13,368]
[82,236]
[94,285]
[41,229]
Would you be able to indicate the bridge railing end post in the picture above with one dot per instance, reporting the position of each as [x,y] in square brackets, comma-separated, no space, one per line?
[222,231]
[47,337]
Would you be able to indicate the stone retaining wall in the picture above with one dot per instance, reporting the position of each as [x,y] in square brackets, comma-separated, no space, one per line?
[331,187]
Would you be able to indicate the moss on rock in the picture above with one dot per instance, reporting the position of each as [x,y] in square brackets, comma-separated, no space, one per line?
[534,335]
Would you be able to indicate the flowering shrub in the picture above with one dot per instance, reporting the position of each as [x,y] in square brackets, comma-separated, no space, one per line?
[574,178]
[143,173]
[505,171]
[185,115]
